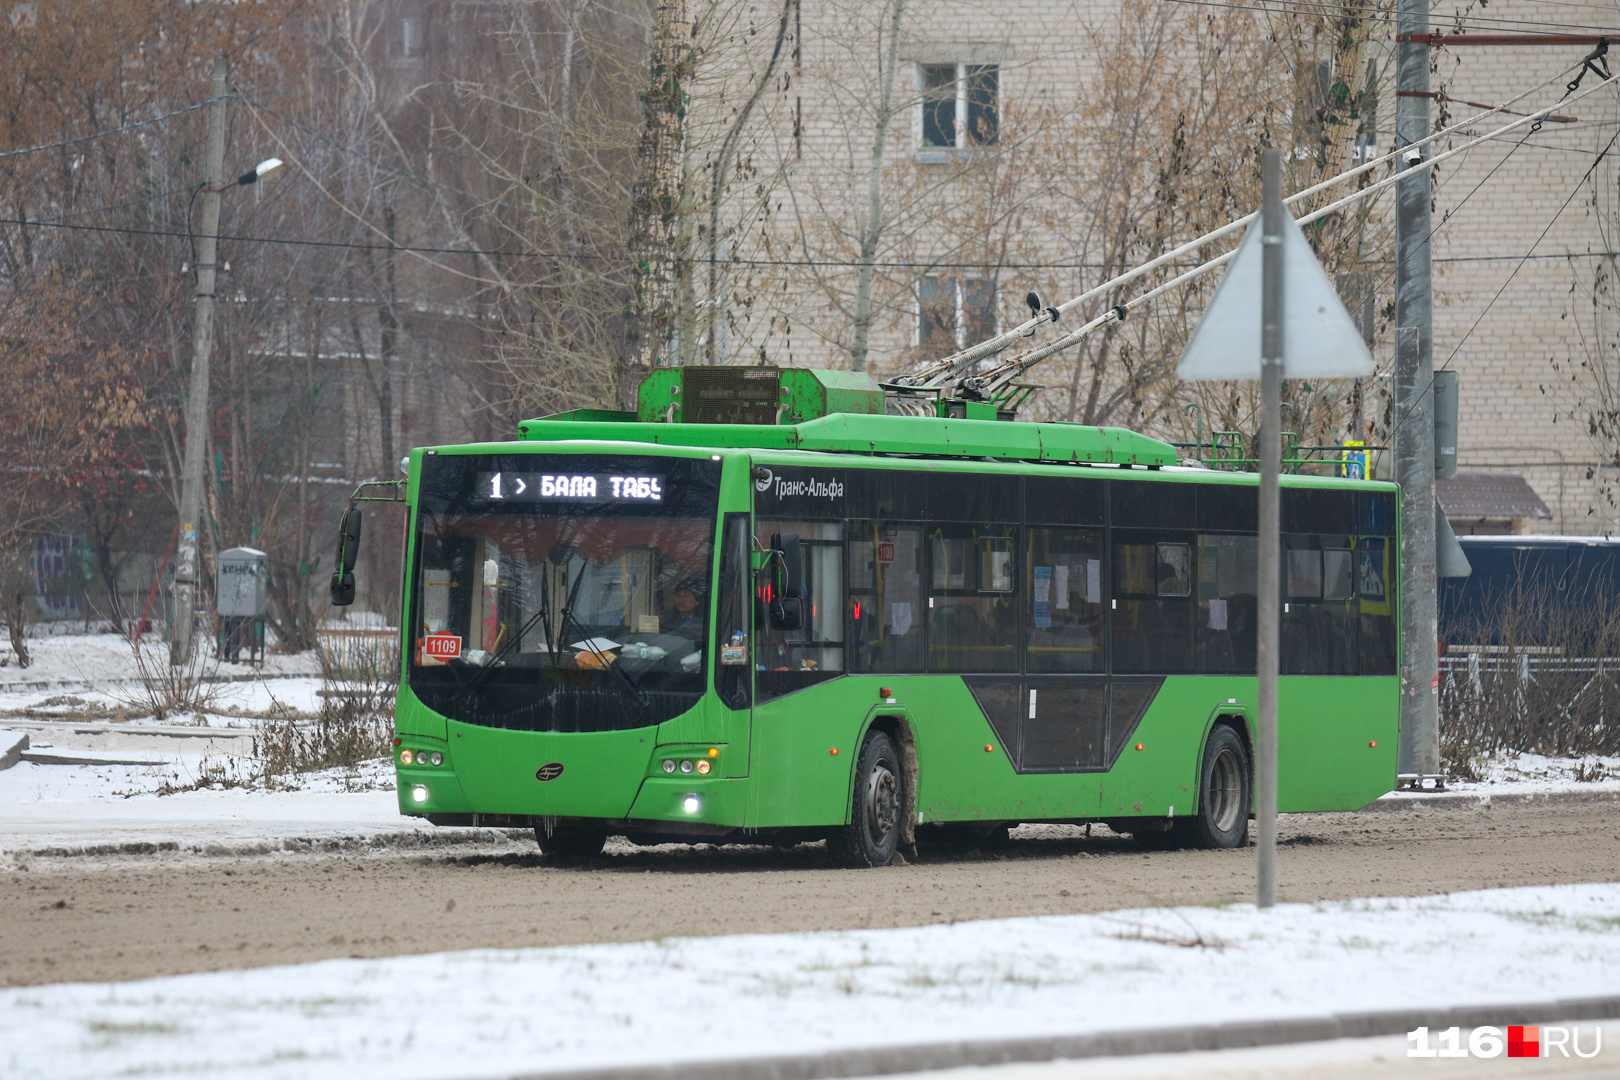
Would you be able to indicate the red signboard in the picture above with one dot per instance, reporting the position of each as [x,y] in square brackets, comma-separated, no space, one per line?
[442,646]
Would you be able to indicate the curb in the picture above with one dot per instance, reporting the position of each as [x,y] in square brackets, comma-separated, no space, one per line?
[1470,800]
[294,845]
[929,1057]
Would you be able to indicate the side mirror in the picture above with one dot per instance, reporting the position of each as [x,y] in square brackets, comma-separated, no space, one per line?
[786,609]
[348,553]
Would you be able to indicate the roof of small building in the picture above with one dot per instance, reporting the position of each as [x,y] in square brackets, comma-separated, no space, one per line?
[1489,495]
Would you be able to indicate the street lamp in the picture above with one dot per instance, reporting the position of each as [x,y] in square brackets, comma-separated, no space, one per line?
[202,346]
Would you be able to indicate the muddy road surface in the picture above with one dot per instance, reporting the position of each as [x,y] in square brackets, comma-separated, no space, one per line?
[127,917]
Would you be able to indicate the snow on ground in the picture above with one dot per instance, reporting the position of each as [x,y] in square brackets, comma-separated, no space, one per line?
[494,1012]
[1513,773]
[74,806]
[81,675]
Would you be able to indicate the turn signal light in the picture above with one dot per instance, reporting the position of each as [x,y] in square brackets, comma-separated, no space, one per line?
[405,757]
[1373,745]
[884,691]
[1139,746]
[703,766]
[714,751]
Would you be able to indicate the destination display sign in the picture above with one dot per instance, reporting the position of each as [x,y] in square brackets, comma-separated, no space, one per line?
[571,487]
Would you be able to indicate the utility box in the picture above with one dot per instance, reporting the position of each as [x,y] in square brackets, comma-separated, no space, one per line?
[240,584]
[1445,425]
[241,600]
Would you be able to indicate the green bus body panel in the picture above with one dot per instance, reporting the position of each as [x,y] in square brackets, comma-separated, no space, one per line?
[1336,752]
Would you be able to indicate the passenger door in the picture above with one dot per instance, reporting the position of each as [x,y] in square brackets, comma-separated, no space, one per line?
[733,641]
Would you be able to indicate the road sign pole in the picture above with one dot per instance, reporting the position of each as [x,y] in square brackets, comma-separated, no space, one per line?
[1271,360]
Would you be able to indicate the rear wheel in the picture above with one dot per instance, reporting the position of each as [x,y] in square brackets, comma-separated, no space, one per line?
[873,831]
[1225,792]
[570,841]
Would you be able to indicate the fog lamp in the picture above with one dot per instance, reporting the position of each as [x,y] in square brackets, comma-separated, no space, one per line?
[420,793]
[692,804]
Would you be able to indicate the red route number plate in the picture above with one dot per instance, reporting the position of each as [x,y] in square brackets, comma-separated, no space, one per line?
[442,646]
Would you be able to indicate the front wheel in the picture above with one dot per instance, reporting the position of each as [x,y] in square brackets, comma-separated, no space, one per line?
[873,831]
[570,842]
[1225,792]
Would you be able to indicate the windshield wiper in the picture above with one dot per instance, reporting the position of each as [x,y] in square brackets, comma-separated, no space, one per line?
[590,643]
[515,641]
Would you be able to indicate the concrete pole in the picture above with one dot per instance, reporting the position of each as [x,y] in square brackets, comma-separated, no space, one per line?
[1414,409]
[187,557]
[1271,364]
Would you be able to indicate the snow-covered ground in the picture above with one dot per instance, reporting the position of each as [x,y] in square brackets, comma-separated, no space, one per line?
[1511,773]
[498,1012]
[74,806]
[79,676]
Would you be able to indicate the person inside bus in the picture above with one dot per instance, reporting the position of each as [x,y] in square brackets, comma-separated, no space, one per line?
[685,617]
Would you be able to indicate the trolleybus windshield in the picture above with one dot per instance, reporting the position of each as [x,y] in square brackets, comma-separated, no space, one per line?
[562,593]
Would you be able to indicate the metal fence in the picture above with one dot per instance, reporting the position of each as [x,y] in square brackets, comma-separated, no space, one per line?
[354,653]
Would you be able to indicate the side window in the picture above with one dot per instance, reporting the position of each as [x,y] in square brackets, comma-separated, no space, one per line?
[1153,606]
[733,671]
[885,597]
[972,598]
[1375,568]
[1228,603]
[789,660]
[1064,620]
[1320,624]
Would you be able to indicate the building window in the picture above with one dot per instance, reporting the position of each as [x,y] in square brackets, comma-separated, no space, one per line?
[955,310]
[959,105]
[405,42]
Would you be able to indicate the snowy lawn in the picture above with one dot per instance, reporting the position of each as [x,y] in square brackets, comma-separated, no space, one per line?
[495,1012]
[78,676]
[54,806]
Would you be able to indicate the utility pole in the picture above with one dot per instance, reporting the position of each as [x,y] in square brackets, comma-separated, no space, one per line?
[655,205]
[187,555]
[1269,630]
[1414,406]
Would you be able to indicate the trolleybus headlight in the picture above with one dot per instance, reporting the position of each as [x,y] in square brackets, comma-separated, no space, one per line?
[703,766]
[405,757]
[438,758]
[686,766]
[692,804]
[669,765]
[420,793]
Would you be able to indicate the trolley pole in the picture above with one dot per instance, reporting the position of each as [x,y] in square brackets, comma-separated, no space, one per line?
[186,567]
[1271,360]
[1414,407]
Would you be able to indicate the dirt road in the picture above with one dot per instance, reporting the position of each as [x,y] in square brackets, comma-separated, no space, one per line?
[99,918]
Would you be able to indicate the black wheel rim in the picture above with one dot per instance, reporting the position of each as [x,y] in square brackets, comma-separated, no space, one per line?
[1225,791]
[882,802]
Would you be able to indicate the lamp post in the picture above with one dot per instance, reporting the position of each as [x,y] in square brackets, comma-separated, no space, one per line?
[202,346]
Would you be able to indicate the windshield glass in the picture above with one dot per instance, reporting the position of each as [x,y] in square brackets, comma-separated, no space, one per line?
[555,593]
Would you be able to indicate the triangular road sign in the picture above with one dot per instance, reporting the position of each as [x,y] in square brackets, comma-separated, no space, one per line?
[1320,340]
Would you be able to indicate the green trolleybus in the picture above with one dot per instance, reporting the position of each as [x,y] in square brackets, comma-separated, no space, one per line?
[763,609]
